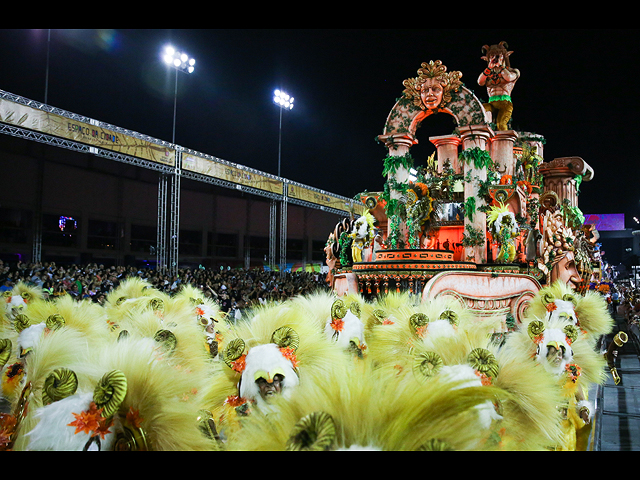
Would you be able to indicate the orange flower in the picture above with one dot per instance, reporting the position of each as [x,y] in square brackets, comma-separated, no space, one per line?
[387,322]
[199,311]
[103,428]
[573,371]
[90,422]
[551,307]
[337,324]
[290,355]
[234,401]
[134,418]
[239,364]
[484,379]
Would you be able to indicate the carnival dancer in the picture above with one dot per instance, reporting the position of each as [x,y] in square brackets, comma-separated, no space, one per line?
[266,356]
[569,358]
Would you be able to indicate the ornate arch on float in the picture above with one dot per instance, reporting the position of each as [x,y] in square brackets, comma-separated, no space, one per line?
[405,117]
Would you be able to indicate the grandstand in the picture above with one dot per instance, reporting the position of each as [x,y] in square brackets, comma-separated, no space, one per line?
[78,190]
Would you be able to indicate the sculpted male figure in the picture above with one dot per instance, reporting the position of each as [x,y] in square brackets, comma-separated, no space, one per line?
[499,78]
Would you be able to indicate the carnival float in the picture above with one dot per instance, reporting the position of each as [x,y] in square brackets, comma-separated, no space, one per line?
[487,219]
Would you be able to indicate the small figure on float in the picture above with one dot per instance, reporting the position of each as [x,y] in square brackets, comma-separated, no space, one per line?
[499,78]
[362,234]
[504,229]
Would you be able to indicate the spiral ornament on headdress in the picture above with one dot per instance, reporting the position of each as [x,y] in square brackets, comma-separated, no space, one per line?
[427,365]
[120,300]
[131,439]
[450,316]
[7,295]
[535,329]
[167,339]
[55,321]
[418,320]
[436,445]
[156,304]
[547,298]
[123,335]
[196,301]
[26,296]
[286,337]
[483,361]
[338,309]
[6,347]
[568,297]
[355,309]
[233,351]
[379,315]
[21,322]
[59,384]
[314,432]
[110,392]
[571,331]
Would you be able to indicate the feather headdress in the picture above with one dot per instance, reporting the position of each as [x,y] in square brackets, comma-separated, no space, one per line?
[364,408]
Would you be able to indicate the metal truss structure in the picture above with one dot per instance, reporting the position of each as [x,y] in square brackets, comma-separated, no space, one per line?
[168,234]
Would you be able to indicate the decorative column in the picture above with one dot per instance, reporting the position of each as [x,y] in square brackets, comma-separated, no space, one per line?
[447,147]
[502,151]
[398,146]
[561,176]
[476,136]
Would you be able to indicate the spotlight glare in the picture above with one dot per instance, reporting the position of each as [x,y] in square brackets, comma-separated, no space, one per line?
[283,99]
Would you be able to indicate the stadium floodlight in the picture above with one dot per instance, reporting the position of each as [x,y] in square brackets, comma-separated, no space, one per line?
[178,60]
[283,99]
[182,63]
[285,102]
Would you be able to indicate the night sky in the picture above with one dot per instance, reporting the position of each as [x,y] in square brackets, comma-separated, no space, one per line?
[578,89]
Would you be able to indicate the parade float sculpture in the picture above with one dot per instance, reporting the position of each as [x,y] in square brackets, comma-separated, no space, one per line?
[442,227]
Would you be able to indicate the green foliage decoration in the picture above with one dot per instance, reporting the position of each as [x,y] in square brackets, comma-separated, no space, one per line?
[476,156]
[470,208]
[392,162]
[472,237]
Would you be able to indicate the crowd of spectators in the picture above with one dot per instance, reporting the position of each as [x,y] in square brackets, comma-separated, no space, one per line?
[233,289]
[624,300]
